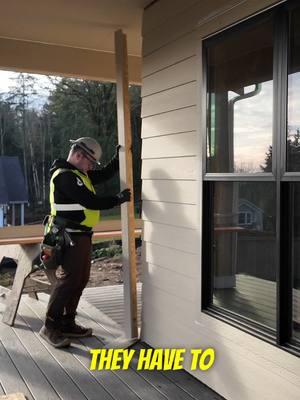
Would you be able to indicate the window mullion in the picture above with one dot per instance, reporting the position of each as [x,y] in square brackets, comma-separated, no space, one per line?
[279,167]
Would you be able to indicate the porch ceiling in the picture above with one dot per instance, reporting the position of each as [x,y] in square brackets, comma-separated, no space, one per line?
[60,30]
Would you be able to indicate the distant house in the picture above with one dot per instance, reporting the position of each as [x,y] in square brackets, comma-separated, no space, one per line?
[12,189]
[250,216]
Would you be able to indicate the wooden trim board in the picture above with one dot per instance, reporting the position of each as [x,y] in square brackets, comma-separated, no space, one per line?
[126,178]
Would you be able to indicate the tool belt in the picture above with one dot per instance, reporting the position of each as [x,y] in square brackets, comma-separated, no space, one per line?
[55,241]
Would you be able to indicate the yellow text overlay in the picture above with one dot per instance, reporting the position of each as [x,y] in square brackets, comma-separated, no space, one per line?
[150,359]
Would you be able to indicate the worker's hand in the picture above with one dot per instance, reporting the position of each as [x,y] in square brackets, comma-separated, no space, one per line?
[117,149]
[124,196]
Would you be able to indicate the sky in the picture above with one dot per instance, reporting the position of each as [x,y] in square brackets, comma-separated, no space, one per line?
[253,124]
[6,82]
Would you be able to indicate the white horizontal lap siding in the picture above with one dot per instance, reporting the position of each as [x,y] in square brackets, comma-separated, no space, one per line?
[209,14]
[176,145]
[182,215]
[174,75]
[177,168]
[175,52]
[179,285]
[176,238]
[175,121]
[246,368]
[237,373]
[171,99]
[170,191]
[224,334]
[161,11]
[172,259]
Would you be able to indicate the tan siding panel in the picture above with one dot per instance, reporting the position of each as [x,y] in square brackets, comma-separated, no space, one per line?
[200,14]
[183,239]
[172,259]
[175,75]
[173,168]
[244,376]
[237,14]
[180,285]
[183,309]
[170,191]
[179,97]
[183,120]
[161,11]
[172,53]
[182,144]
[184,215]
[190,19]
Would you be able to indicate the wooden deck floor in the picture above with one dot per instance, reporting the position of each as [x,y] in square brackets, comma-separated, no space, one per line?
[30,366]
[110,300]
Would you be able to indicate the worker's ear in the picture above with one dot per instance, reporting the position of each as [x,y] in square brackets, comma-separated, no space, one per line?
[78,155]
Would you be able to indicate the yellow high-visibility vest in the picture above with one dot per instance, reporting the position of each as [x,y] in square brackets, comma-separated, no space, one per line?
[92,217]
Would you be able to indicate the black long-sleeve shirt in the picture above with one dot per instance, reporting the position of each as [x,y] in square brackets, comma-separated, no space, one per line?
[70,189]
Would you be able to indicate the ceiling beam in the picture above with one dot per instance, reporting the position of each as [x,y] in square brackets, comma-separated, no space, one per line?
[41,58]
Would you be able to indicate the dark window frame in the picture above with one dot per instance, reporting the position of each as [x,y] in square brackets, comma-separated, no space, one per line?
[282,336]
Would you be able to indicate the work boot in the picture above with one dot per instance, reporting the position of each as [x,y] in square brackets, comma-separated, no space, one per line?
[54,337]
[69,328]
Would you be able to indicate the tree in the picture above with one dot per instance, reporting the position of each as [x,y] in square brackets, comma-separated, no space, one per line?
[292,153]
[88,108]
[21,95]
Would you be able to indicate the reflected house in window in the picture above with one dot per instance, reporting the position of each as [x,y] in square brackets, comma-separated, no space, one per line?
[12,191]
[250,216]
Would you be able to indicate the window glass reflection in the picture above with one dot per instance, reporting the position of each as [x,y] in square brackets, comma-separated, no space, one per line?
[244,250]
[295,213]
[240,101]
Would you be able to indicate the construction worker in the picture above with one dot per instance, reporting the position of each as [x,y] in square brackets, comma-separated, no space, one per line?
[75,211]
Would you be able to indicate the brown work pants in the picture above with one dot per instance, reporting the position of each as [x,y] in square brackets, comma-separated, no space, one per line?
[72,277]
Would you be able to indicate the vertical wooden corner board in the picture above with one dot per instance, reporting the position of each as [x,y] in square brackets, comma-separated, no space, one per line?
[126,178]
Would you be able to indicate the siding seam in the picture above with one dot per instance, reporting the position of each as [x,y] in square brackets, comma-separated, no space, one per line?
[168,88]
[169,134]
[191,278]
[173,109]
[167,111]
[168,66]
[171,248]
[169,179]
[170,202]
[166,134]
[177,296]
[167,157]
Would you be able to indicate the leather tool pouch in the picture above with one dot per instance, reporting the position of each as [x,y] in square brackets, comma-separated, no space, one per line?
[52,246]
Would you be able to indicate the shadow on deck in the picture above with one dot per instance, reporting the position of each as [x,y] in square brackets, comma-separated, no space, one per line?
[30,366]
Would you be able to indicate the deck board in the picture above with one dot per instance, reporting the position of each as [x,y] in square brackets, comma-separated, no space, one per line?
[42,372]
[10,378]
[30,372]
[110,385]
[187,382]
[78,375]
[110,300]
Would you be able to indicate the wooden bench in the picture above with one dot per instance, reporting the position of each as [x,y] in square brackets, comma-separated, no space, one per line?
[22,243]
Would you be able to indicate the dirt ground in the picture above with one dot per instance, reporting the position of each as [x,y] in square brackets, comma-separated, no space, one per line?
[105,271]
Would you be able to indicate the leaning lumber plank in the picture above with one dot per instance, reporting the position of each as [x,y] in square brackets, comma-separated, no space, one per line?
[13,396]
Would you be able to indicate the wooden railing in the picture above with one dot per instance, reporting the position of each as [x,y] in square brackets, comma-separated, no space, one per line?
[30,234]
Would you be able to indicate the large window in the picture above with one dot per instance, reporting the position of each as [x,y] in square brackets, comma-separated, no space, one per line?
[251,256]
